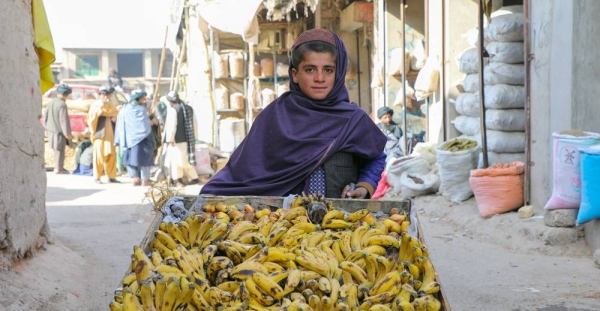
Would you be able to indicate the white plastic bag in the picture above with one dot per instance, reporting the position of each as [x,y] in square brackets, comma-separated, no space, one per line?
[395,62]
[428,79]
[566,192]
[471,83]
[500,73]
[504,96]
[506,52]
[455,168]
[509,120]
[415,184]
[467,125]
[469,61]
[467,104]
[400,165]
[418,56]
[506,28]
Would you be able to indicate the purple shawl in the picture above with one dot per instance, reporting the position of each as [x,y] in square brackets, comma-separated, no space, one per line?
[294,135]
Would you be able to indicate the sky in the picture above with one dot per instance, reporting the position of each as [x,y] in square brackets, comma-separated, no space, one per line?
[123,24]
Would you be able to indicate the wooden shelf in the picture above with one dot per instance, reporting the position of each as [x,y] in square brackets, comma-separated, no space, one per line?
[230,79]
[229,110]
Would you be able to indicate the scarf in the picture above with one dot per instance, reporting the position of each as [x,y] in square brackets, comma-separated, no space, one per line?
[190,136]
[295,135]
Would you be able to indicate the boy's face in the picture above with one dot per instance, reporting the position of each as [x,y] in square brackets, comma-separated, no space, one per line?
[315,75]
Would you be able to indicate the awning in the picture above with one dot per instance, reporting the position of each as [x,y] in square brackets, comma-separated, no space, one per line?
[233,16]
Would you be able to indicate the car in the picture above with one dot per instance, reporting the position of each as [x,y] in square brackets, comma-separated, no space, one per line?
[78,104]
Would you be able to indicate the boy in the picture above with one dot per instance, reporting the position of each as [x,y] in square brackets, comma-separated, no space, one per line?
[311,138]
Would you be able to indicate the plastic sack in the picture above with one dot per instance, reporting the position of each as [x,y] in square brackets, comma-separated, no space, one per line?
[506,52]
[500,73]
[589,209]
[395,62]
[508,120]
[467,125]
[506,28]
[566,191]
[415,184]
[502,142]
[203,165]
[498,188]
[471,83]
[426,151]
[382,187]
[469,61]
[428,79]
[504,96]
[398,166]
[467,104]
[455,168]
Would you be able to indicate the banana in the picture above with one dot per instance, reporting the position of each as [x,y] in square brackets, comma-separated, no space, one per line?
[335,290]
[356,216]
[169,271]
[349,294]
[146,296]
[412,268]
[216,264]
[238,229]
[357,272]
[268,285]
[307,275]
[392,225]
[324,285]
[365,306]
[273,267]
[293,213]
[255,249]
[130,302]
[208,253]
[293,280]
[159,291]
[357,235]
[336,224]
[370,233]
[383,240]
[165,239]
[183,264]
[432,304]
[314,264]
[263,212]
[143,271]
[161,248]
[139,255]
[264,226]
[333,214]
[229,286]
[405,224]
[129,278]
[222,217]
[275,235]
[306,227]
[425,251]
[381,298]
[177,234]
[241,248]
[185,297]
[171,292]
[115,306]
[314,302]
[216,232]
[380,307]
[345,244]
[332,261]
[381,226]
[252,238]
[253,266]
[279,276]
[193,229]
[257,294]
[372,269]
[385,283]
[234,255]
[342,307]
[156,258]
[335,247]
[205,227]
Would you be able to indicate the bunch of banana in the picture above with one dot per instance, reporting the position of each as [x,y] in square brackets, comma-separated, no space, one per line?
[227,258]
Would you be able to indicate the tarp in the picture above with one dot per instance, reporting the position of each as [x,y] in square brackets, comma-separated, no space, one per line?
[44,45]
[233,16]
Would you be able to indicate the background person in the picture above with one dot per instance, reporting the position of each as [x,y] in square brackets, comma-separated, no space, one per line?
[102,136]
[58,126]
[392,131]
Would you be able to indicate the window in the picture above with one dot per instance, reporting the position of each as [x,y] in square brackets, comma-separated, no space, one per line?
[130,65]
[87,65]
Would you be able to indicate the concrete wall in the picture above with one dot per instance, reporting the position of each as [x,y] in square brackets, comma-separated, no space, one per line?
[22,174]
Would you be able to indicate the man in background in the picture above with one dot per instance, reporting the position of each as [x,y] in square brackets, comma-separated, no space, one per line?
[102,136]
[180,139]
[114,79]
[58,127]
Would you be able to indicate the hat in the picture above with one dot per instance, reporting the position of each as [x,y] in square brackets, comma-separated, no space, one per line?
[172,96]
[383,111]
[136,95]
[103,90]
[63,89]
[111,90]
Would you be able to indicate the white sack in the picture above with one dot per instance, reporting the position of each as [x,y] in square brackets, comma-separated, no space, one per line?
[506,52]
[504,96]
[428,79]
[471,83]
[467,125]
[500,73]
[400,165]
[467,104]
[414,184]
[455,169]
[501,142]
[506,28]
[509,120]
[469,61]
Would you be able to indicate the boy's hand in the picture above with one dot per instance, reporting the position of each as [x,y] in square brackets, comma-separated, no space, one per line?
[358,193]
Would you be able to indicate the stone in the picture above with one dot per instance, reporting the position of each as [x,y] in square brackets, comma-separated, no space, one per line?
[597,258]
[526,211]
[560,217]
[560,236]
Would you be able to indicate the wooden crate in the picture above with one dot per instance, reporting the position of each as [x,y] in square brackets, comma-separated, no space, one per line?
[349,205]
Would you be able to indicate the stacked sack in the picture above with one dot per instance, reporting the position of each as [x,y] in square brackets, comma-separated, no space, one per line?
[504,78]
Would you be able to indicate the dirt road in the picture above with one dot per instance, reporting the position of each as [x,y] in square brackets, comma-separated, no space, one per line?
[483,264]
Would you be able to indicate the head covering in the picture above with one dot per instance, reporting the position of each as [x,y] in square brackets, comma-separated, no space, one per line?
[63,89]
[173,96]
[136,95]
[133,125]
[103,90]
[295,135]
[383,111]
[111,90]
[315,35]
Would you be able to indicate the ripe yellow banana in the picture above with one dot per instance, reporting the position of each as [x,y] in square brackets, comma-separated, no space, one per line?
[381,226]
[356,216]
[165,239]
[208,253]
[293,213]
[216,232]
[161,248]
[279,276]
[333,214]
[193,229]
[263,212]
[392,225]
[345,244]
[143,271]
[273,267]
[370,233]
[327,303]
[156,258]
[314,264]
[129,278]
[357,272]
[335,247]
[257,294]
[171,293]
[204,229]
[264,226]
[115,306]
[234,255]
[314,302]
[383,240]
[357,236]
[275,235]
[186,291]
[252,266]
[146,296]
[268,285]
[176,234]
[371,269]
[216,264]
[380,307]
[238,229]
[336,224]
[183,264]
[385,283]
[252,238]
[130,301]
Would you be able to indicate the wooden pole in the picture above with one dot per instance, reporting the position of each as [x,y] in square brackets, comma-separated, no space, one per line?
[480,50]
[404,125]
[527,175]
[183,46]
[160,70]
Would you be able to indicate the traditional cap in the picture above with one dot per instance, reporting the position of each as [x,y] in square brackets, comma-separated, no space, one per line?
[63,89]
[136,95]
[315,35]
[172,96]
[103,90]
[383,111]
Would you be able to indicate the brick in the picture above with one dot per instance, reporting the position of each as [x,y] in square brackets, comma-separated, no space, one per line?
[560,217]
[560,236]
